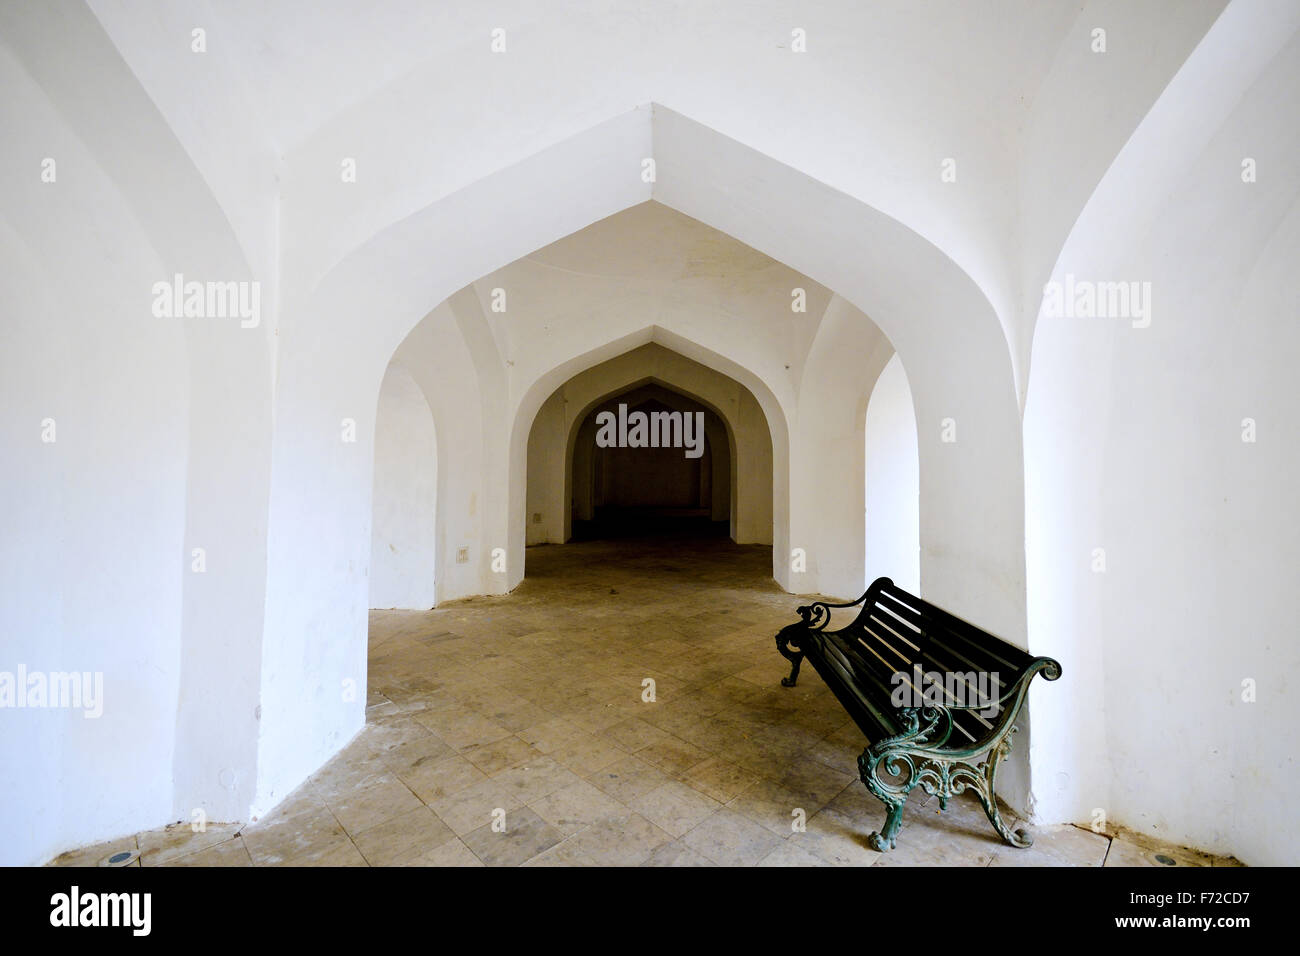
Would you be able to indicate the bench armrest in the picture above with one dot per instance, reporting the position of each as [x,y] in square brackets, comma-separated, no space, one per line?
[1049,668]
[929,727]
[818,614]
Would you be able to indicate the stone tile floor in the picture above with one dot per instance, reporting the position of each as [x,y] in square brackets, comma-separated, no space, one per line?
[527,711]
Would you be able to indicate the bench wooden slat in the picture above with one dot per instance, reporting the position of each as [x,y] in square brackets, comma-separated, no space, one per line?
[879,722]
[952,632]
[938,624]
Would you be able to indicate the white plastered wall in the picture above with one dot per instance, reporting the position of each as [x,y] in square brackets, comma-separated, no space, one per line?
[403,543]
[1161,545]
[893,498]
[827,467]
[137,546]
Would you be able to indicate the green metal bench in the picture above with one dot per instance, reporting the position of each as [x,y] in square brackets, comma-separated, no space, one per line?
[936,697]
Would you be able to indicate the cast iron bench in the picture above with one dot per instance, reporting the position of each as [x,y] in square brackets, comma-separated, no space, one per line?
[930,691]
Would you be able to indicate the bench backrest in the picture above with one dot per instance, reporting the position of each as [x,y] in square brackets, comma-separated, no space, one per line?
[896,632]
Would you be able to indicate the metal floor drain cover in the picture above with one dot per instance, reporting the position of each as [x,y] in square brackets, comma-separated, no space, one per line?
[120,858]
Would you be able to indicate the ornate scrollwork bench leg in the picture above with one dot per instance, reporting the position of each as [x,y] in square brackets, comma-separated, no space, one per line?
[886,838]
[910,755]
[788,638]
[892,755]
[988,798]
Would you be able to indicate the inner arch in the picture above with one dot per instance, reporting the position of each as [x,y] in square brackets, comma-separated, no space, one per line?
[679,484]
[561,443]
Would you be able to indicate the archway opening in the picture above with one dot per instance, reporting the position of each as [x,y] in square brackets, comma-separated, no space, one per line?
[647,463]
[650,445]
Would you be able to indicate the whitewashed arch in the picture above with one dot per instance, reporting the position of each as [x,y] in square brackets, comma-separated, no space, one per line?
[722,394]
[331,363]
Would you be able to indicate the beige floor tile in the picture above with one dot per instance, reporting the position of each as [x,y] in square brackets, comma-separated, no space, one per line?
[773,806]
[562,854]
[500,755]
[675,721]
[551,734]
[279,838]
[673,756]
[417,830]
[815,782]
[628,779]
[1056,846]
[520,717]
[523,836]
[625,840]
[856,802]
[354,767]
[410,756]
[675,807]
[230,853]
[441,778]
[341,853]
[472,808]
[391,731]
[792,853]
[636,734]
[451,853]
[587,754]
[463,729]
[596,718]
[170,843]
[94,854]
[383,799]
[731,839]
[958,836]
[677,853]
[577,806]
[719,779]
[839,754]
[838,840]
[528,781]
[1131,849]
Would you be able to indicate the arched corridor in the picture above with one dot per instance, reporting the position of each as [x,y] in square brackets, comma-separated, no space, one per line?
[414,411]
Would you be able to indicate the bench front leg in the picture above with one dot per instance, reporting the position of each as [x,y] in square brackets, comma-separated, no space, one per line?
[909,757]
[886,838]
[893,757]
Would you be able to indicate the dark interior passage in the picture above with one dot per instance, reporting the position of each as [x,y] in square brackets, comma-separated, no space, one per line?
[651,462]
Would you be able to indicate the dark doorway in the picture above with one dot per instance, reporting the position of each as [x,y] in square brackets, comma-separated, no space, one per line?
[634,490]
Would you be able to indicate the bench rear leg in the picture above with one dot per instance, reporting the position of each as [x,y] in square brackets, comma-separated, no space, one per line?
[988,797]
[788,643]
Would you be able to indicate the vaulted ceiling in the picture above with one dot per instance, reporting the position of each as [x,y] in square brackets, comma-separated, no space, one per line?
[983,127]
